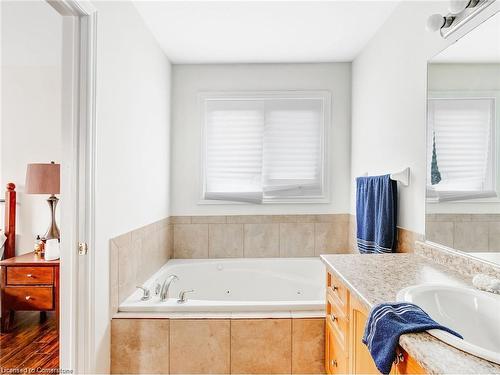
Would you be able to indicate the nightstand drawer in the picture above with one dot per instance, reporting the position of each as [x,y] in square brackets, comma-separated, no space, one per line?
[29,297]
[30,275]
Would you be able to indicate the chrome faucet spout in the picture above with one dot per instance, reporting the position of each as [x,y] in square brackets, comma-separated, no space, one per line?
[166,286]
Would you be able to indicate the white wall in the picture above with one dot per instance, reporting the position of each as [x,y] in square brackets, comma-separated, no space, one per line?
[189,80]
[389,104]
[31,46]
[133,126]
[468,78]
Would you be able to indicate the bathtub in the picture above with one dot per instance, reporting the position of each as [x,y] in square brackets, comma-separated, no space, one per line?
[237,285]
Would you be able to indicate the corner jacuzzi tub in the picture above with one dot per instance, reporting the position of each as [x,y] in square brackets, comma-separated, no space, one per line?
[237,285]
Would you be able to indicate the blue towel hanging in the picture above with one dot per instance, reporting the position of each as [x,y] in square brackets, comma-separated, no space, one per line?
[387,322]
[376,200]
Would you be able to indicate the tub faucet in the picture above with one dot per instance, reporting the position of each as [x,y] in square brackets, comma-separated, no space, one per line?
[166,286]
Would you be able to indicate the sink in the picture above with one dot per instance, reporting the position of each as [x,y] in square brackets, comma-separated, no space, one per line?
[472,313]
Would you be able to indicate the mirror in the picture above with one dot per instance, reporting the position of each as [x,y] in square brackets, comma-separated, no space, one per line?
[463,144]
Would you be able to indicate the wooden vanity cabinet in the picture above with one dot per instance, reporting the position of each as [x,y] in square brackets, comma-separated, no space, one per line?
[345,325]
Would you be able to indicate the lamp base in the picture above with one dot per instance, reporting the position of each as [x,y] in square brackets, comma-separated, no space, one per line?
[53,230]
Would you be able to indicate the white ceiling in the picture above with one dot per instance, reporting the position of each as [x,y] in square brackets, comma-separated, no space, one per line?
[263,31]
[481,45]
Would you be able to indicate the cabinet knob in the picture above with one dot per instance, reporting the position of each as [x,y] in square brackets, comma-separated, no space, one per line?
[335,288]
[334,318]
[27,297]
[334,363]
[29,275]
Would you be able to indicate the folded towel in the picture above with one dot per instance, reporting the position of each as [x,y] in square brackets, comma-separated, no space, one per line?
[376,199]
[387,322]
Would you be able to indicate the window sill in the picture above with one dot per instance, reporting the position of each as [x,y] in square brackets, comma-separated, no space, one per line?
[266,202]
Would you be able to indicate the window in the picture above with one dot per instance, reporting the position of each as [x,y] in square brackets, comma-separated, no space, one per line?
[267,147]
[461,151]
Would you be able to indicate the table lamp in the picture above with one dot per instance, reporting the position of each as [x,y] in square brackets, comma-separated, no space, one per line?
[45,179]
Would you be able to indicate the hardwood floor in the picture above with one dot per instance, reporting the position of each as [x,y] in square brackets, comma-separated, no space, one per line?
[30,345]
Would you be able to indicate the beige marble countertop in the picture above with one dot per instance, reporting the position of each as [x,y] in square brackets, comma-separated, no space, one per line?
[377,278]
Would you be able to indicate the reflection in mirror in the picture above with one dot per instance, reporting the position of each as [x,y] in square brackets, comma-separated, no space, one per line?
[463,144]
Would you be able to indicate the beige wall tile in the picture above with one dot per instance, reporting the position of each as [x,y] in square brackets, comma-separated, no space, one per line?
[225,240]
[200,346]
[208,220]
[180,219]
[128,259]
[164,241]
[163,223]
[352,240]
[449,217]
[494,236]
[441,232]
[296,240]
[143,232]
[191,241]
[261,346]
[331,238]
[261,240]
[135,256]
[485,217]
[471,236]
[406,240]
[249,219]
[308,346]
[123,240]
[294,218]
[332,218]
[139,346]
[149,258]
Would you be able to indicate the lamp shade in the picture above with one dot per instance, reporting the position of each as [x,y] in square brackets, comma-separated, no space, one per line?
[43,178]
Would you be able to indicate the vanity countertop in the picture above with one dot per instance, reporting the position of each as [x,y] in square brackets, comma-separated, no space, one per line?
[377,278]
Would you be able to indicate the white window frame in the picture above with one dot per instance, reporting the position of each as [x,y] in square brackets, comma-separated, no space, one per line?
[326,125]
[495,139]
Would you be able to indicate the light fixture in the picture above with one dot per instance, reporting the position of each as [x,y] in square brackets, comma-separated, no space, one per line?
[437,22]
[458,6]
[457,11]
[45,179]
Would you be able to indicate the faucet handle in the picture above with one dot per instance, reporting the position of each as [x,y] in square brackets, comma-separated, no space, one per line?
[182,295]
[157,288]
[146,293]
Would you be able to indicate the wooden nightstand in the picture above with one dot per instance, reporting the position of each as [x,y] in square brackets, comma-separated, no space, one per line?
[28,282]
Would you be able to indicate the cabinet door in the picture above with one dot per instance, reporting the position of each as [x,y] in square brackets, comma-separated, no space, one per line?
[361,359]
[327,348]
[337,362]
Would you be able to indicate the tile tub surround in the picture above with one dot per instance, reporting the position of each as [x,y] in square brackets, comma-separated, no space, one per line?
[377,278]
[217,346]
[467,232]
[135,256]
[254,236]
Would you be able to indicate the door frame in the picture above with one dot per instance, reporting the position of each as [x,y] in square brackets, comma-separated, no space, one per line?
[77,184]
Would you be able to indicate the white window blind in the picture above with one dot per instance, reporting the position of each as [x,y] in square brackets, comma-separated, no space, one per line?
[233,150]
[461,134]
[292,148]
[261,149]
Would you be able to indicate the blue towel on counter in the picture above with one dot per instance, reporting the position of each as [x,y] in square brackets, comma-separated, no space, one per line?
[376,200]
[387,322]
